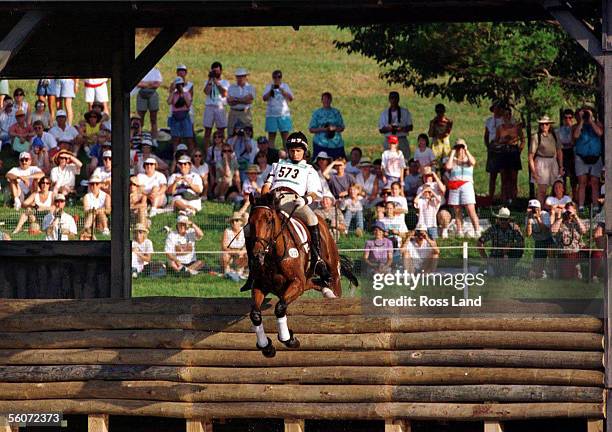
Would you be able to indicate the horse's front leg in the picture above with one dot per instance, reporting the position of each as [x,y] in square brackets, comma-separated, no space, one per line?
[264,344]
[293,291]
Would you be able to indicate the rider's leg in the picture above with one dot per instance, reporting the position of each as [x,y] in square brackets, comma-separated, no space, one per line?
[316,262]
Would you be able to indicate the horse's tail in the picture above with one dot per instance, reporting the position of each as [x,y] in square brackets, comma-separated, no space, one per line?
[347,269]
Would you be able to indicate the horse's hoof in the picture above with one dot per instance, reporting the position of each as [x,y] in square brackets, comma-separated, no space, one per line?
[292,342]
[268,351]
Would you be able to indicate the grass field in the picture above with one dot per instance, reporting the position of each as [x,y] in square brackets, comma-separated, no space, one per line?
[311,65]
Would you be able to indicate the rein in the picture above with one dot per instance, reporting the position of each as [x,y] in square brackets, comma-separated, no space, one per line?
[272,241]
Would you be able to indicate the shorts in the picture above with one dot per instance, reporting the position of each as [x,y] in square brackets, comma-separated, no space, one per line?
[196,204]
[181,128]
[333,153]
[464,195]
[547,169]
[4,87]
[214,116]
[148,104]
[279,124]
[45,90]
[96,94]
[432,232]
[64,88]
[246,117]
[582,168]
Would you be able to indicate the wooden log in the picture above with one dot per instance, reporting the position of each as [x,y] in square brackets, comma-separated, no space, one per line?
[5,426]
[308,307]
[195,392]
[227,358]
[398,425]
[327,411]
[294,425]
[97,423]
[199,425]
[595,425]
[305,375]
[299,323]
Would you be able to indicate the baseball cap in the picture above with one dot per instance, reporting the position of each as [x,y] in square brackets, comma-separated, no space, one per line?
[38,142]
[60,113]
[181,67]
[534,203]
[241,72]
[322,155]
[24,155]
[182,219]
[392,139]
[379,225]
[150,161]
[107,153]
[59,197]
[182,146]
[184,159]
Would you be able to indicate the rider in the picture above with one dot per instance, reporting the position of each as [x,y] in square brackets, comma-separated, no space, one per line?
[296,184]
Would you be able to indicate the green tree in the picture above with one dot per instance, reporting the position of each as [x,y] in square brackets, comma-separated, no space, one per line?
[534,65]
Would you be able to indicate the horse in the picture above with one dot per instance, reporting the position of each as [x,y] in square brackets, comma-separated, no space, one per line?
[281,260]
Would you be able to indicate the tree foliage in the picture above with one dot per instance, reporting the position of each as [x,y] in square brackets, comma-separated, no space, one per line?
[534,65]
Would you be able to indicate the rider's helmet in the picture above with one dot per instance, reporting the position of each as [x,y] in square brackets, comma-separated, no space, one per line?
[297,139]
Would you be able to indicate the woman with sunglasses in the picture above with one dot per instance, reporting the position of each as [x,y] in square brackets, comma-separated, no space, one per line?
[63,175]
[199,167]
[22,104]
[37,202]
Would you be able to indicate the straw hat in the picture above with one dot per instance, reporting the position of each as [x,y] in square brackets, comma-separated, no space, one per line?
[504,213]
[236,216]
[62,152]
[141,227]
[253,169]
[545,120]
[364,162]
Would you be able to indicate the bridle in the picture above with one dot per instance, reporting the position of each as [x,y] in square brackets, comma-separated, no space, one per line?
[269,243]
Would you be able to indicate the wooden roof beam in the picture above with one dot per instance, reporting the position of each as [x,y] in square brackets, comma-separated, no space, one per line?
[576,29]
[153,52]
[17,37]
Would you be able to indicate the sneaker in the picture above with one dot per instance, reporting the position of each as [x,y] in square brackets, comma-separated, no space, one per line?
[106,232]
[152,212]
[17,204]
[134,275]
[192,272]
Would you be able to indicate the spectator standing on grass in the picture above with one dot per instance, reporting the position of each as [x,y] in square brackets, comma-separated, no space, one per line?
[493,154]
[428,203]
[461,193]
[181,127]
[353,209]
[440,128]
[587,135]
[352,167]
[340,182]
[537,225]
[545,157]
[393,162]
[154,185]
[277,94]
[233,246]
[378,252]
[327,126]
[45,93]
[564,135]
[142,249]
[507,244]
[228,175]
[180,247]
[396,121]
[21,133]
[567,230]
[41,114]
[558,198]
[181,72]
[147,99]
[185,187]
[65,91]
[240,97]
[420,252]
[367,180]
[96,90]
[510,140]
[23,179]
[57,224]
[423,154]
[214,107]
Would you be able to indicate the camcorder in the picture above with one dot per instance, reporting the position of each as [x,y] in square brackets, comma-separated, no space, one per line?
[240,132]
[586,115]
[394,128]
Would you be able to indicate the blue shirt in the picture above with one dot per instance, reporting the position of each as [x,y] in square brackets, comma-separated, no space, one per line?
[327,116]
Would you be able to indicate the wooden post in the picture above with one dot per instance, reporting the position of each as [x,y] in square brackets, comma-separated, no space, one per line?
[97,423]
[595,425]
[121,282]
[199,425]
[493,426]
[294,425]
[397,425]
[6,427]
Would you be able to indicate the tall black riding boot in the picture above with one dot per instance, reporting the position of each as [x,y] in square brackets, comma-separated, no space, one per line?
[317,265]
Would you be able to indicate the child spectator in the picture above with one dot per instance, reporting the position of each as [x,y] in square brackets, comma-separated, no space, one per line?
[412,181]
[142,249]
[401,204]
[378,253]
[393,162]
[395,223]
[428,203]
[537,225]
[440,129]
[423,154]
[340,182]
[353,209]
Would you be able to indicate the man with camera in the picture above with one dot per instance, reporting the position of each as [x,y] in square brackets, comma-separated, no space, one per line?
[397,121]
[59,225]
[240,97]
[567,230]
[588,163]
[507,244]
[278,118]
[214,110]
[537,225]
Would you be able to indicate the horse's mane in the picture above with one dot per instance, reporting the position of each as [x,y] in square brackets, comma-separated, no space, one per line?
[266,200]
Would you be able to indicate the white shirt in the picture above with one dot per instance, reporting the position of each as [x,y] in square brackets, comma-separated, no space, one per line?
[102,173]
[182,246]
[277,105]
[181,185]
[419,253]
[202,170]
[368,185]
[7,120]
[425,157]
[152,76]
[25,172]
[214,99]
[66,222]
[405,120]
[400,201]
[95,202]
[148,183]
[393,163]
[300,177]
[236,91]
[58,132]
[238,240]
[64,177]
[554,201]
[261,178]
[146,247]
[491,124]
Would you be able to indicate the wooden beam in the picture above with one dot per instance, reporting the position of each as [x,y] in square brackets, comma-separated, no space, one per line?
[200,425]
[17,37]
[97,423]
[149,57]
[294,425]
[121,281]
[576,29]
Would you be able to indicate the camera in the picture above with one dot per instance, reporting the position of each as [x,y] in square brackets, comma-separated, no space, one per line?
[458,146]
[213,75]
[586,115]
[394,128]
[240,132]
[276,86]
[567,214]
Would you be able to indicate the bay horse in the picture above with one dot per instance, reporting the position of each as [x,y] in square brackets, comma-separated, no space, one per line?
[280,258]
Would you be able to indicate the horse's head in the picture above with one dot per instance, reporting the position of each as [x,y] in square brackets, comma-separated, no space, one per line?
[262,222]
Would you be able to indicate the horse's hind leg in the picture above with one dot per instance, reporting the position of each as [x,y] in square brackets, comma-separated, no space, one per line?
[264,344]
[285,335]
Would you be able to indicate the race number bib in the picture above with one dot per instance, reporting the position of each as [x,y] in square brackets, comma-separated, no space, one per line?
[286,172]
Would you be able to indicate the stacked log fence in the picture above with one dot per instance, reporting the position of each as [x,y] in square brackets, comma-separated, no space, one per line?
[196,359]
